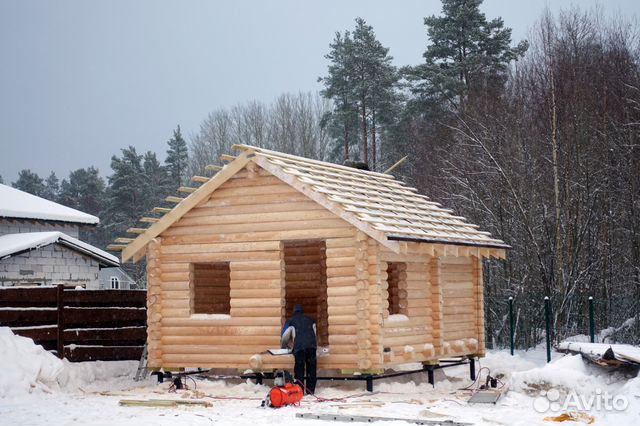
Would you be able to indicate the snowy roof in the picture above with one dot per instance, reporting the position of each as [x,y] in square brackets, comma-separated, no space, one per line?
[11,244]
[19,204]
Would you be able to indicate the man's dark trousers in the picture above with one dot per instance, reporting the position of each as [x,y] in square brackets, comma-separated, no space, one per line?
[306,360]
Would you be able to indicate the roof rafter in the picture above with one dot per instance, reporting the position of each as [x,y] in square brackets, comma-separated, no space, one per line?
[134,248]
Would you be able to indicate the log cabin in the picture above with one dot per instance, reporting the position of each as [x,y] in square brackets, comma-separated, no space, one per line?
[390,276]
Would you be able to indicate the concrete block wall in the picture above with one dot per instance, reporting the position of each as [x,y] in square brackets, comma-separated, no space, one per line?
[53,264]
[17,226]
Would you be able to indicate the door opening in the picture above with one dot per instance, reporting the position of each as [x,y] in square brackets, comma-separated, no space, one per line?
[306,282]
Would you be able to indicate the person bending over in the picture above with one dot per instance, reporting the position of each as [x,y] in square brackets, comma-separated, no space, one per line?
[302,330]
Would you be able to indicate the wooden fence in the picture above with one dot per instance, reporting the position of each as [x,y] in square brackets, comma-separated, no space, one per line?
[82,325]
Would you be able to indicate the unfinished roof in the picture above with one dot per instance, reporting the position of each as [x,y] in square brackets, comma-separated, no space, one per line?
[384,208]
[14,244]
[387,204]
[22,205]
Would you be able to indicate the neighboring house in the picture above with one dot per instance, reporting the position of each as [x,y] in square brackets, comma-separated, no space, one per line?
[390,276]
[115,279]
[39,243]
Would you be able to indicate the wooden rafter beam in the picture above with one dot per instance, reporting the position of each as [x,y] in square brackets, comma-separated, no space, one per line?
[136,230]
[122,240]
[173,199]
[149,219]
[135,250]
[213,168]
[116,247]
[200,179]
[227,157]
[187,189]
[161,210]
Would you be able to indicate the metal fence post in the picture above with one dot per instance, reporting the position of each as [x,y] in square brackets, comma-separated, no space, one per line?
[511,326]
[547,320]
[592,322]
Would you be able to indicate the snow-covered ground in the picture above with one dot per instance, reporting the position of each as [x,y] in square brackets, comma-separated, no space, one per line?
[37,388]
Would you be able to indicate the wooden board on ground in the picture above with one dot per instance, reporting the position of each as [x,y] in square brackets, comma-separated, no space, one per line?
[370,419]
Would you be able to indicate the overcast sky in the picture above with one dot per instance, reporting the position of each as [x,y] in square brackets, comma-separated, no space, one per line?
[81,79]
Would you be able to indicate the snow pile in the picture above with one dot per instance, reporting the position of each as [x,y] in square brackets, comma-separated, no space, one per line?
[89,376]
[27,367]
[568,373]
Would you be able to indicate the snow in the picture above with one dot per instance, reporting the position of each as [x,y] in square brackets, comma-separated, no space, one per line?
[27,367]
[19,204]
[15,243]
[397,318]
[628,352]
[210,316]
[50,391]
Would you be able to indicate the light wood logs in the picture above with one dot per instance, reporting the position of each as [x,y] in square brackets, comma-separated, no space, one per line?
[245,223]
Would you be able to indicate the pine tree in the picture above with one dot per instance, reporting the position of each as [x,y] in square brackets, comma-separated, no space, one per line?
[375,78]
[468,55]
[361,84]
[1,180]
[84,190]
[157,180]
[30,182]
[177,158]
[339,87]
[126,197]
[51,187]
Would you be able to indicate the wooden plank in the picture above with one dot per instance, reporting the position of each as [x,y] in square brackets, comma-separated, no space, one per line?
[102,335]
[136,230]
[116,247]
[149,219]
[227,157]
[213,168]
[104,317]
[187,189]
[160,210]
[121,240]
[182,208]
[173,199]
[24,317]
[102,353]
[39,334]
[26,297]
[200,179]
[102,298]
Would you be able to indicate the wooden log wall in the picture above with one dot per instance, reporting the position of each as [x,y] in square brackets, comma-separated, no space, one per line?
[378,304]
[409,339]
[154,304]
[244,223]
[478,283]
[445,313]
[461,306]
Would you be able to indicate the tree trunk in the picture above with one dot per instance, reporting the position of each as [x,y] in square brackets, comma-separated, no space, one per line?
[346,134]
[373,138]
[365,144]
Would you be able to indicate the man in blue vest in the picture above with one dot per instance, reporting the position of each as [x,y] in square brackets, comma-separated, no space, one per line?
[302,330]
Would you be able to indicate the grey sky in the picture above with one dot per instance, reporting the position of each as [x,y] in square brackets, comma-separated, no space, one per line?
[81,79]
